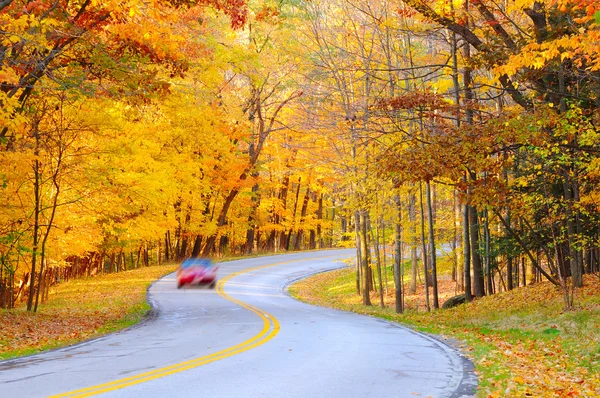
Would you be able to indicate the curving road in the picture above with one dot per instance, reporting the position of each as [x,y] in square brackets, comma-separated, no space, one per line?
[247,338]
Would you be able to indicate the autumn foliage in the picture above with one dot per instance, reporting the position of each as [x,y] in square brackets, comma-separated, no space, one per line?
[136,132]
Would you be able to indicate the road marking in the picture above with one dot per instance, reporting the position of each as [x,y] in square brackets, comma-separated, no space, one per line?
[270,329]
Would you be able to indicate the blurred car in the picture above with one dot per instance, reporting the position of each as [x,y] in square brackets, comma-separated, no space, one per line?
[200,271]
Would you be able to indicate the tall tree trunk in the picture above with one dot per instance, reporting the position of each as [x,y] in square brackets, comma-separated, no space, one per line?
[250,232]
[49,225]
[167,246]
[578,227]
[364,251]
[146,257]
[283,198]
[488,267]
[426,275]
[359,256]
[575,266]
[398,260]
[412,225]
[479,284]
[378,258]
[250,237]
[197,246]
[36,220]
[303,212]
[293,223]
[183,248]
[221,221]
[509,261]
[320,218]
[434,285]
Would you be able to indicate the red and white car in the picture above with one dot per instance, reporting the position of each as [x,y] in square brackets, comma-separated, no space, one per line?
[197,271]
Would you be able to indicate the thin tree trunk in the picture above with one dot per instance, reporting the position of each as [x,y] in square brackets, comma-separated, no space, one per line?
[424,248]
[479,283]
[398,260]
[320,218]
[412,225]
[358,251]
[303,211]
[576,271]
[527,252]
[167,246]
[36,221]
[296,200]
[251,231]
[364,251]
[221,221]
[488,267]
[378,254]
[434,285]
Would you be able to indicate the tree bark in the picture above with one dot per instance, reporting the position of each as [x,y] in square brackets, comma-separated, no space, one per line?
[364,251]
[36,220]
[575,266]
[412,225]
[434,285]
[221,221]
[303,212]
[424,249]
[359,257]
[479,284]
[398,260]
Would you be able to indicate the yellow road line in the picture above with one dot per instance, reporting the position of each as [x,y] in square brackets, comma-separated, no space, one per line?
[270,329]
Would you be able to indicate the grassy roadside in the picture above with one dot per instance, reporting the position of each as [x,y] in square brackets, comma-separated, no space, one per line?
[522,343]
[79,310]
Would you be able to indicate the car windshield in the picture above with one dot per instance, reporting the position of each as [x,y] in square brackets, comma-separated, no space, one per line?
[196,262]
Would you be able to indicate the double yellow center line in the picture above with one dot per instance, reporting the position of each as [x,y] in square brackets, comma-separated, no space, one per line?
[270,329]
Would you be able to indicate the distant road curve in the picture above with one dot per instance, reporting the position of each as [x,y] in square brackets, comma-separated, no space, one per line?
[247,338]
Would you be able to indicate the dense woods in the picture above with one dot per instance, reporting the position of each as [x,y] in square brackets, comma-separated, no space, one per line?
[461,136]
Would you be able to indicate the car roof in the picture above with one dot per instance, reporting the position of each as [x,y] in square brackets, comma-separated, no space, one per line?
[198,262]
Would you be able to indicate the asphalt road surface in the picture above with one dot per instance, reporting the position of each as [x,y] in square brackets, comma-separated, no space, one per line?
[247,338]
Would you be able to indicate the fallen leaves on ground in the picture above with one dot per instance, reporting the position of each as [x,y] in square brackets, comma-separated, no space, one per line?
[78,310]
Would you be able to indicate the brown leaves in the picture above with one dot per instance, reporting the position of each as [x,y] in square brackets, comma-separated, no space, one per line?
[78,310]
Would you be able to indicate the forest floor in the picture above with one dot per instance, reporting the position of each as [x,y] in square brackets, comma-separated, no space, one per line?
[522,342]
[79,310]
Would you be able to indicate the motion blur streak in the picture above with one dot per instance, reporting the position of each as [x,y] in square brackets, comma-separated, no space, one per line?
[270,329]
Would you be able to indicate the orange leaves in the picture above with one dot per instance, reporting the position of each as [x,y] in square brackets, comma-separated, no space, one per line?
[266,13]
[235,9]
[405,12]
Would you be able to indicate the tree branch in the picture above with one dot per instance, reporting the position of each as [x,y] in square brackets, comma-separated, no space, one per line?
[524,247]
[466,34]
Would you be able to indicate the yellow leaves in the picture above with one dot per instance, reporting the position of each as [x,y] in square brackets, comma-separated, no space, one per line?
[566,55]
[442,86]
[538,56]
[391,23]
[447,7]
[537,63]
[519,5]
